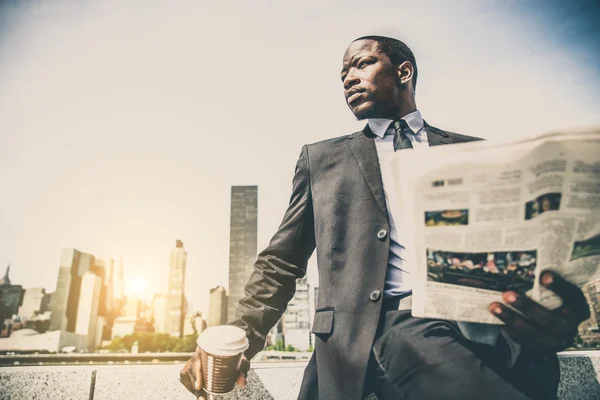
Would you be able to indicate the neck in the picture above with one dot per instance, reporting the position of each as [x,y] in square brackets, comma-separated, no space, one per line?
[406,106]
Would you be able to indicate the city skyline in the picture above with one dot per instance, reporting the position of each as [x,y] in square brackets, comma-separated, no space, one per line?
[243,205]
[89,300]
[85,288]
[117,137]
[89,308]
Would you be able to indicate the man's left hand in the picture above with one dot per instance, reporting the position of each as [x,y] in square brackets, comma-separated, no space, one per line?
[540,326]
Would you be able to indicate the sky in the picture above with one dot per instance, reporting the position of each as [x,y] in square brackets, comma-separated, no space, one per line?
[124,126]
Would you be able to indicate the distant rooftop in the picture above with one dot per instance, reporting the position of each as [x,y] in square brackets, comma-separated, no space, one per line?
[24,332]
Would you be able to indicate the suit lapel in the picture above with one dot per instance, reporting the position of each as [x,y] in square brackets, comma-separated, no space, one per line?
[362,147]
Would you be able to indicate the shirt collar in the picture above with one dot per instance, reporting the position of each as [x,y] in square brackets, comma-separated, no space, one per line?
[380,125]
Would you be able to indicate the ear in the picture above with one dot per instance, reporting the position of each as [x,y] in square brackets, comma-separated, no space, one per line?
[405,72]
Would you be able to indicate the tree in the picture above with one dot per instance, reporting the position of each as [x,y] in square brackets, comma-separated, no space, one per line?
[116,345]
[278,346]
[290,348]
[186,344]
[129,340]
[154,343]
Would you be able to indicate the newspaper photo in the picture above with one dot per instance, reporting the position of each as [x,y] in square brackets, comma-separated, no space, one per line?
[485,218]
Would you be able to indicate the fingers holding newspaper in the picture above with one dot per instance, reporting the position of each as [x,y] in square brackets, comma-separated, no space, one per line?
[538,325]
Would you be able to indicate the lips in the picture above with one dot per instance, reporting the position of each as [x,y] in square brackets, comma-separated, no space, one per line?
[352,98]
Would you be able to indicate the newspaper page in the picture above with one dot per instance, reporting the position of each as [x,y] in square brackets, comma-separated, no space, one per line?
[485,218]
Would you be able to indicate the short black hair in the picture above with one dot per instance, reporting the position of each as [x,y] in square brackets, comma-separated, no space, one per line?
[396,50]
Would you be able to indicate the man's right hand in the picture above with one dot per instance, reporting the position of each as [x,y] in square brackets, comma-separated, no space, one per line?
[191,375]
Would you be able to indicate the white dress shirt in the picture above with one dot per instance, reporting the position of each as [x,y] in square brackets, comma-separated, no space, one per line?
[398,278]
[398,275]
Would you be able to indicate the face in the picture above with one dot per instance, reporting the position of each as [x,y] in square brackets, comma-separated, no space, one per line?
[546,204]
[371,82]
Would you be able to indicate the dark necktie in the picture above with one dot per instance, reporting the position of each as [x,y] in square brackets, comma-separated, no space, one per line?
[401,141]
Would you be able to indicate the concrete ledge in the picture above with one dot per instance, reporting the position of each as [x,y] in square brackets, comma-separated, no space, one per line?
[58,383]
[580,375]
[268,381]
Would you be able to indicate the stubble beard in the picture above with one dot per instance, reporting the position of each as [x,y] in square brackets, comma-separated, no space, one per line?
[370,112]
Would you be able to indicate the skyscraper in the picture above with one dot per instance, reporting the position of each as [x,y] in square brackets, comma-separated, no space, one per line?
[106,309]
[133,307]
[117,284]
[217,313]
[47,302]
[87,310]
[100,269]
[296,323]
[159,312]
[118,297]
[176,300]
[123,326]
[65,300]
[33,302]
[242,242]
[10,295]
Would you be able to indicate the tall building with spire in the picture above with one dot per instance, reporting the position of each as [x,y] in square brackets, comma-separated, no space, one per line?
[242,242]
[5,281]
[174,320]
[11,297]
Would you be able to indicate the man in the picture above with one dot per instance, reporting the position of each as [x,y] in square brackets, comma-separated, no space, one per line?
[546,204]
[366,339]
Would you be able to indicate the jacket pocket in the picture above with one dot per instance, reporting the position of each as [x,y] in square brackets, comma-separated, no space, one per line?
[323,322]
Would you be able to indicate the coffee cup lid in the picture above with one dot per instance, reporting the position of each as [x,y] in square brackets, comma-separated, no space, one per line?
[223,340]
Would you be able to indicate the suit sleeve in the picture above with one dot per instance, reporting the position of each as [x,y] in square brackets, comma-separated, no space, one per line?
[272,283]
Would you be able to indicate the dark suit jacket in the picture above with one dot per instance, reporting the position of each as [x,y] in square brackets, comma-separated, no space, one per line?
[338,205]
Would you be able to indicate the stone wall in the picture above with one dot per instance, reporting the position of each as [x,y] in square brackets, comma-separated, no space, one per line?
[276,380]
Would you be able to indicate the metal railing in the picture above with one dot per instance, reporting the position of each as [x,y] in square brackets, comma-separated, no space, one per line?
[130,358]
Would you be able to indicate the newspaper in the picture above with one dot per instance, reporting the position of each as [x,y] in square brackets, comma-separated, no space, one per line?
[485,218]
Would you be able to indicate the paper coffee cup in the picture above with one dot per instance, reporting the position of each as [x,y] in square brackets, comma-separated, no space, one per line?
[221,349]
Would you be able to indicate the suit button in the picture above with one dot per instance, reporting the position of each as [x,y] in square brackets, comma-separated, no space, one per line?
[382,234]
[375,295]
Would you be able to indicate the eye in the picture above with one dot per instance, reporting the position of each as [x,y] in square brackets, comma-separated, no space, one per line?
[364,63]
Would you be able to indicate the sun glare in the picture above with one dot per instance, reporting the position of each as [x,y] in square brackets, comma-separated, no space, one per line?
[136,287]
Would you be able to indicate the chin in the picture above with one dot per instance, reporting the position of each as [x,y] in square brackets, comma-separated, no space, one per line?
[363,111]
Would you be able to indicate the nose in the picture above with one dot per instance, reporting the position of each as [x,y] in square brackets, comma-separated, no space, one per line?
[350,80]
